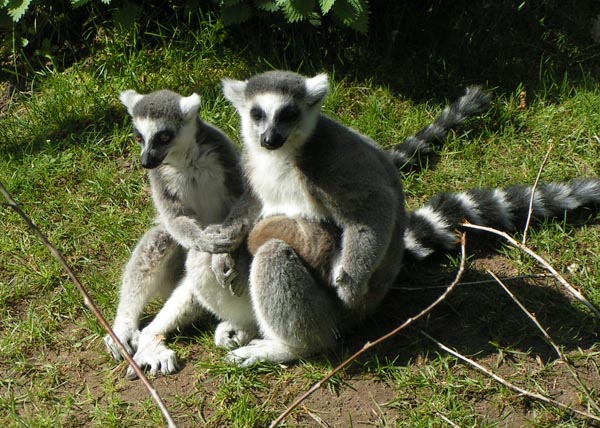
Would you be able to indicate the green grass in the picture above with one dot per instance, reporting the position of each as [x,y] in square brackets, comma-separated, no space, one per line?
[67,157]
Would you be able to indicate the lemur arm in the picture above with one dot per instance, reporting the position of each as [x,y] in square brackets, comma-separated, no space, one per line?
[367,227]
[179,223]
[229,235]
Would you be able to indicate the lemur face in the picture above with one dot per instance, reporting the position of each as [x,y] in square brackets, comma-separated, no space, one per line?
[274,119]
[160,120]
[155,140]
[277,109]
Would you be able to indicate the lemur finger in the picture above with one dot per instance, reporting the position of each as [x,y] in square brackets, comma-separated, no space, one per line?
[237,286]
[131,374]
[218,239]
[222,267]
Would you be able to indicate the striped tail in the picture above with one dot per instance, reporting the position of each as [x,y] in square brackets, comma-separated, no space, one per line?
[433,227]
[409,154]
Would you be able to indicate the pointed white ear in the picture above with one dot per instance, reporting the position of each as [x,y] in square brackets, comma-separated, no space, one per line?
[317,89]
[190,105]
[234,92]
[130,98]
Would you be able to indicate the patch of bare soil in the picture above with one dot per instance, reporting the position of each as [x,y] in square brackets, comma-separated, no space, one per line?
[363,402]
[478,319]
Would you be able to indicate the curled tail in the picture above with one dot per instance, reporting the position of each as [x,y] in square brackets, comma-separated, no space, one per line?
[406,155]
[433,227]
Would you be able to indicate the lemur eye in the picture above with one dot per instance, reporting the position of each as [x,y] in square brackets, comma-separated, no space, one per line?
[289,113]
[257,114]
[164,137]
[137,136]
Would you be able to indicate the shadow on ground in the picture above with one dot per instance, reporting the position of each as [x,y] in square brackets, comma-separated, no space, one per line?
[478,317]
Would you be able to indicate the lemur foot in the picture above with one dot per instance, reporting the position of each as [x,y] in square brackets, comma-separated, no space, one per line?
[262,350]
[230,337]
[129,337]
[154,355]
[350,291]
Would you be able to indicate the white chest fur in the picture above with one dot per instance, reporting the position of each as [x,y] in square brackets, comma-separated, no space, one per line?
[280,187]
[200,186]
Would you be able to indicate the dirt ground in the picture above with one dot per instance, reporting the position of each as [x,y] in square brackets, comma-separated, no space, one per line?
[474,316]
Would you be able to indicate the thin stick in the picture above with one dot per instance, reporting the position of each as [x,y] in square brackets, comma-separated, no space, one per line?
[541,260]
[559,352]
[90,304]
[484,281]
[445,419]
[369,345]
[510,385]
[533,189]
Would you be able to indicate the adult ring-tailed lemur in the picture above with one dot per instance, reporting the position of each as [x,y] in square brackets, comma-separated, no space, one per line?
[195,176]
[308,174]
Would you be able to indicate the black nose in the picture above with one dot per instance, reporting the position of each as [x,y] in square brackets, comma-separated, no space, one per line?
[149,161]
[272,140]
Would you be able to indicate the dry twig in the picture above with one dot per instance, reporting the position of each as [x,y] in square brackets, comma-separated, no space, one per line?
[574,292]
[369,345]
[510,385]
[533,189]
[551,342]
[90,304]
[483,281]
[447,420]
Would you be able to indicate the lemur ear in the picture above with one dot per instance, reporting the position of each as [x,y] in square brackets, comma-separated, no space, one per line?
[190,105]
[317,89]
[130,98]
[234,91]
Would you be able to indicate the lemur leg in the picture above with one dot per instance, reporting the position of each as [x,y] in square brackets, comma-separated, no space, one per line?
[199,293]
[154,269]
[180,310]
[238,325]
[297,315]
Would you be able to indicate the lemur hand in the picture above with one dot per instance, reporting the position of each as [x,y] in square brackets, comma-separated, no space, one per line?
[223,266]
[222,239]
[350,291]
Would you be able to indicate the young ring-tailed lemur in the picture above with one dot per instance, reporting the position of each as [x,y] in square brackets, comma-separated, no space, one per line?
[195,177]
[304,166]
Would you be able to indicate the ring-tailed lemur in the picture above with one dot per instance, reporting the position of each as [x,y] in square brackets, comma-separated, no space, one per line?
[195,177]
[305,166]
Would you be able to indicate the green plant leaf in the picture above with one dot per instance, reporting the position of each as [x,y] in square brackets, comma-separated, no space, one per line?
[326,5]
[78,3]
[296,10]
[17,8]
[266,5]
[352,13]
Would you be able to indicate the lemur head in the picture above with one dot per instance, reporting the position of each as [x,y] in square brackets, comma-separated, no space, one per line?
[161,120]
[277,108]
